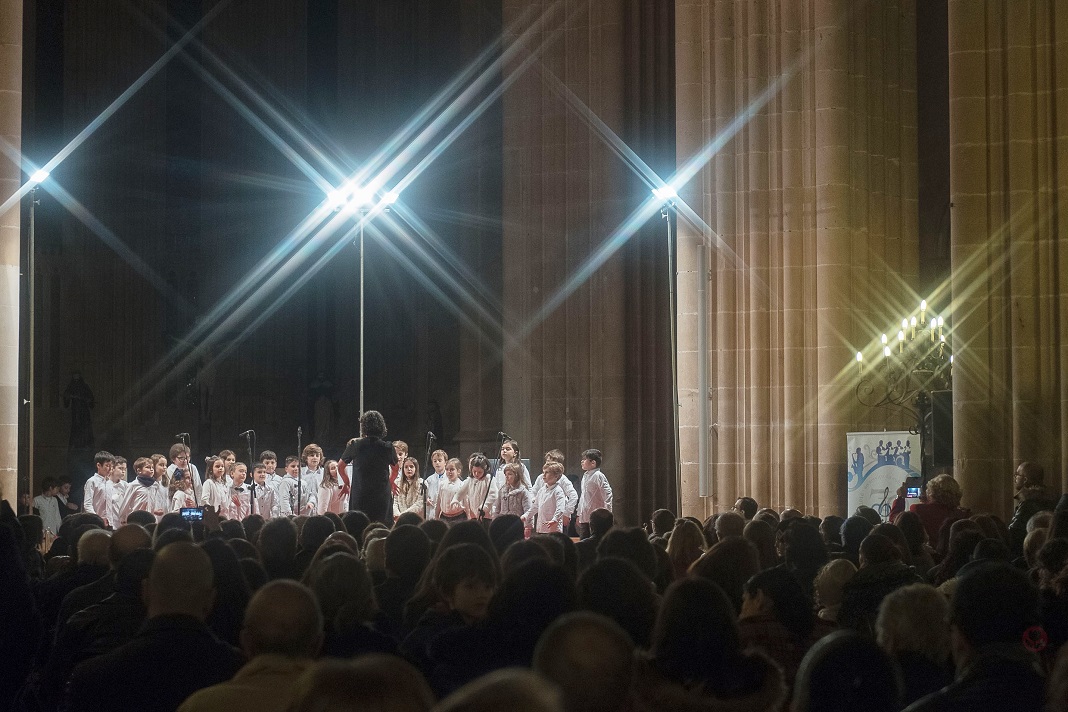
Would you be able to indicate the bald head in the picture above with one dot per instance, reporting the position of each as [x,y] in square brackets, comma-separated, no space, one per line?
[93,548]
[283,618]
[590,658]
[127,540]
[181,582]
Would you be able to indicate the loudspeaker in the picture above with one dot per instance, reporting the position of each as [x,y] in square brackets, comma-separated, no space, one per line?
[941,428]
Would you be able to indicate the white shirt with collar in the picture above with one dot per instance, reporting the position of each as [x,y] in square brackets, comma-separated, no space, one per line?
[596,494]
[95,496]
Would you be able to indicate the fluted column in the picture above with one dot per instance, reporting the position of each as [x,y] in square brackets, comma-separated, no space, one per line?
[1008,83]
[812,198]
[10,178]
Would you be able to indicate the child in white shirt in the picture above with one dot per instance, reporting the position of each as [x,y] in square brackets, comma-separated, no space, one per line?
[551,501]
[451,491]
[240,498]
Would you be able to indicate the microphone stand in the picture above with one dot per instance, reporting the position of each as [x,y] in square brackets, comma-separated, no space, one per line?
[300,475]
[426,468]
[249,435]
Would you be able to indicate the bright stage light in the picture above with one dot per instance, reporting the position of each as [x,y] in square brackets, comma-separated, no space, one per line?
[391,197]
[350,196]
[665,193]
[39,176]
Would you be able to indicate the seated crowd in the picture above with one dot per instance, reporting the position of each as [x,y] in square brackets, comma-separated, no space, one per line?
[750,609]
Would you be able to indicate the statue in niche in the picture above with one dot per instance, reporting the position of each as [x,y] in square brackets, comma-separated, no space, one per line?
[324,408]
[78,397]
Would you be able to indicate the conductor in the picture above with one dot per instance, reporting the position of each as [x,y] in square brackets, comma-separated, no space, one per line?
[370,457]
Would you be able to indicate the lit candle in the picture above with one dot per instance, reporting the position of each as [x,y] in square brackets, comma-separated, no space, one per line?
[923,311]
[901,342]
[913,325]
[941,321]
[884,339]
[860,362]
[934,327]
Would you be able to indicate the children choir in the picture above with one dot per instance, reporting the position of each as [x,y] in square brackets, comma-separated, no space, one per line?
[309,485]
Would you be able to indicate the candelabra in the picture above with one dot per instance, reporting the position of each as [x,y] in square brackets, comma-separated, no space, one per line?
[905,370]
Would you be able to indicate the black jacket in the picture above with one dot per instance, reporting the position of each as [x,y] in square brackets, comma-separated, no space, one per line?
[128,678]
[1005,680]
[1032,501]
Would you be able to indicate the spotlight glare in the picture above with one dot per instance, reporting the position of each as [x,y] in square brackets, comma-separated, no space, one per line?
[665,192]
[39,176]
[362,196]
[391,197]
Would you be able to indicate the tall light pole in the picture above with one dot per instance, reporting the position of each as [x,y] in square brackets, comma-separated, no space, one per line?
[38,177]
[361,198]
[668,198]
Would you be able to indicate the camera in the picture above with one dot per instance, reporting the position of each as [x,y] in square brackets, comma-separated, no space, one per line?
[192,514]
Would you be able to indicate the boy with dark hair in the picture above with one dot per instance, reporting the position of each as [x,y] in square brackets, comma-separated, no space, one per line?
[262,499]
[46,505]
[594,492]
[288,491]
[95,493]
[270,464]
[66,507]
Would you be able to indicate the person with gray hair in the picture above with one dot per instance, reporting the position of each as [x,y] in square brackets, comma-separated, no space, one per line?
[913,628]
[178,595]
[282,634]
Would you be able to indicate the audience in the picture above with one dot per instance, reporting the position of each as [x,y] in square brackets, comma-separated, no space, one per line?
[212,616]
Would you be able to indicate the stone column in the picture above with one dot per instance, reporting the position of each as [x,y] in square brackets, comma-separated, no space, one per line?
[812,198]
[1008,83]
[10,242]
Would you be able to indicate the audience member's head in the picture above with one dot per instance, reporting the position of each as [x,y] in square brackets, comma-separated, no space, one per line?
[141,518]
[747,507]
[252,525]
[630,543]
[993,604]
[991,550]
[355,522]
[729,564]
[254,573]
[877,549]
[512,689]
[435,530]
[601,520]
[854,530]
[315,532]
[278,547]
[695,642]
[844,672]
[94,548]
[181,581]
[663,520]
[1033,543]
[895,535]
[132,571]
[505,530]
[410,519]
[914,619]
[344,591]
[170,536]
[375,683]
[777,592]
[729,524]
[945,490]
[762,536]
[529,599]
[283,618]
[407,552]
[831,530]
[126,540]
[232,529]
[590,659]
[617,589]
[1040,520]
[870,514]
[912,528]
[831,580]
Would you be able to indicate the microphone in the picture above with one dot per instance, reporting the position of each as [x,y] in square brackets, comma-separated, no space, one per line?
[179,436]
[431,435]
[246,433]
[300,431]
[503,436]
